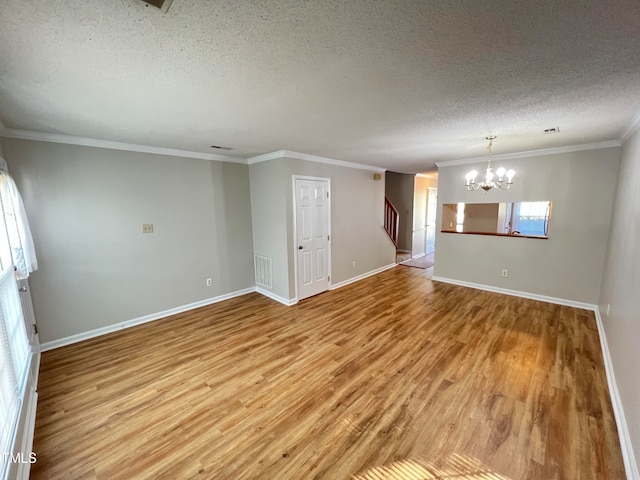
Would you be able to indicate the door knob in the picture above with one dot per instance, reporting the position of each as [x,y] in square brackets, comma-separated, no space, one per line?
[299,247]
[23,288]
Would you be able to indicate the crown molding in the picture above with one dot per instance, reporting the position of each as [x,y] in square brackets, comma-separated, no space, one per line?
[130,147]
[312,158]
[632,128]
[532,153]
[266,157]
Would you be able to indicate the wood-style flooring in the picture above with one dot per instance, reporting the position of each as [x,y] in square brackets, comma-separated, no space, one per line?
[394,377]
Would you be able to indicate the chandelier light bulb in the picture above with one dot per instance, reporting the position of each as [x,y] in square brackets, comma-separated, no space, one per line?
[471,177]
[491,180]
[489,175]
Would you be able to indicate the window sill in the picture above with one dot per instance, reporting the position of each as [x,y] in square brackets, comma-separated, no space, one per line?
[539,237]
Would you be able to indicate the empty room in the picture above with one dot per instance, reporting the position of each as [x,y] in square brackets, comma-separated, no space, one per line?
[365,240]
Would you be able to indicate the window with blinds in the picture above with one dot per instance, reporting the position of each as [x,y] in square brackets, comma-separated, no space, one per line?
[14,361]
[15,349]
[531,218]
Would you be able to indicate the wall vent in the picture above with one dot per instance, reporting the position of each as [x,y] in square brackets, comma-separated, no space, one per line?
[162,5]
[547,131]
[263,270]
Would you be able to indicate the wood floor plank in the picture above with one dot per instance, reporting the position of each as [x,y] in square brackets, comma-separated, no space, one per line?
[393,377]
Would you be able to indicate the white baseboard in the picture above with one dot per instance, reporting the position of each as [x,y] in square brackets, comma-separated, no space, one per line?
[360,277]
[140,320]
[172,311]
[277,298]
[293,301]
[626,447]
[517,293]
[628,457]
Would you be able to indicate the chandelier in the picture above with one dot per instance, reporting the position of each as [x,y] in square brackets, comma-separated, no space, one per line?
[490,180]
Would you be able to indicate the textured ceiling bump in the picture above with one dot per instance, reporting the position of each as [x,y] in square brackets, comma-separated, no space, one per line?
[394,84]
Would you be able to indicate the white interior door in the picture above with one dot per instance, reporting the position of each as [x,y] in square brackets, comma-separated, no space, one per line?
[312,236]
[432,207]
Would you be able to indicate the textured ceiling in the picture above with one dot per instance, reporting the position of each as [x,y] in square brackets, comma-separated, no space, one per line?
[396,84]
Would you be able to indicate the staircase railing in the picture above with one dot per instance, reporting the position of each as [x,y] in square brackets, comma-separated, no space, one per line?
[391,221]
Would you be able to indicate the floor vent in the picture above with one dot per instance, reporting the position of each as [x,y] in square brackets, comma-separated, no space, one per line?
[264,272]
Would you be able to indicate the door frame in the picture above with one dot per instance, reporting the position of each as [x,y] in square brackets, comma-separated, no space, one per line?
[435,219]
[294,244]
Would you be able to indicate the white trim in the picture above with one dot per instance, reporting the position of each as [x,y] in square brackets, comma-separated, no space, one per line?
[29,424]
[311,158]
[531,153]
[24,469]
[140,320]
[295,228]
[277,298]
[266,157]
[129,147]
[517,293]
[631,129]
[307,177]
[630,464]
[363,276]
[419,255]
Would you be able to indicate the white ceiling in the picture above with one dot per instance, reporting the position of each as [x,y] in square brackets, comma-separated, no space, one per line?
[395,84]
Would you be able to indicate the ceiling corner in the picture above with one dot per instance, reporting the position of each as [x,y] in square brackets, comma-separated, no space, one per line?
[633,126]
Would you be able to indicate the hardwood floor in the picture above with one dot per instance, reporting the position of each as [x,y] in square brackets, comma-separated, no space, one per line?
[393,377]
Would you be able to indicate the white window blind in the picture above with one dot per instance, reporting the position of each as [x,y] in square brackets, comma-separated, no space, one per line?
[16,250]
[14,359]
[531,218]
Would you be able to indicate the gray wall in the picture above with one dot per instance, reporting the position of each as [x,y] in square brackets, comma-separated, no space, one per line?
[357,220]
[269,187]
[569,265]
[86,207]
[621,287]
[399,189]
[482,217]
[357,228]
